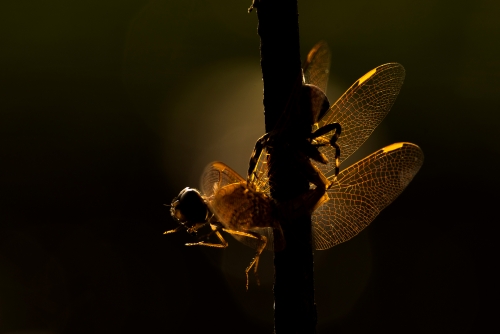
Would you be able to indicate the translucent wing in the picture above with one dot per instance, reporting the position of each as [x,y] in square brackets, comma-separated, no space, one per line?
[316,67]
[362,191]
[217,175]
[261,179]
[360,110]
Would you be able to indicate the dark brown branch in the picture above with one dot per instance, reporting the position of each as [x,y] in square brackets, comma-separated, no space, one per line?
[295,310]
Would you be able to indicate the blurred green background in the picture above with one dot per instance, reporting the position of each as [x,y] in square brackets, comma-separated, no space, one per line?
[109,108]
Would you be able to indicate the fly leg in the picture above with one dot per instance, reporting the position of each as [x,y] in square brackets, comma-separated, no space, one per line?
[177,229]
[192,229]
[215,229]
[262,244]
[333,141]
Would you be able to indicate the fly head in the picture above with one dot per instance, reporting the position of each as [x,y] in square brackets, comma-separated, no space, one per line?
[189,208]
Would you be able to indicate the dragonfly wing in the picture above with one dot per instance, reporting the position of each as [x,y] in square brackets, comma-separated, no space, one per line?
[316,67]
[361,109]
[217,175]
[362,191]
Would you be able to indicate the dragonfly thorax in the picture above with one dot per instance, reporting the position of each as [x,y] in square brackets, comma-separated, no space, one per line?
[296,128]
[189,207]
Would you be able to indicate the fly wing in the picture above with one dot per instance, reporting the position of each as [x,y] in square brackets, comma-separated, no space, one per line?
[316,67]
[362,190]
[217,175]
[261,181]
[361,109]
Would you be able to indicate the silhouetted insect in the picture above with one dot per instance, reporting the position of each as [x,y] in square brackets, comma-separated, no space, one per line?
[296,137]
[227,203]
[343,206]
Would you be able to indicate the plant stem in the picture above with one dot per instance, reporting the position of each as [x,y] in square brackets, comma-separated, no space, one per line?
[294,307]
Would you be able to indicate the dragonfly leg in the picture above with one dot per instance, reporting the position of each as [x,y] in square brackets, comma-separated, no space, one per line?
[309,201]
[327,128]
[262,244]
[333,141]
[314,175]
[254,158]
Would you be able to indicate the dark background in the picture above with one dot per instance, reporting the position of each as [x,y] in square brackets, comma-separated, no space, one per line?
[109,108]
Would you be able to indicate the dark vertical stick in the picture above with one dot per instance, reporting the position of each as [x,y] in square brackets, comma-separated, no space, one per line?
[295,310]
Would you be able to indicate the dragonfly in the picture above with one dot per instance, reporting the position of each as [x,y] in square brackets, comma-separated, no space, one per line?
[349,200]
[297,136]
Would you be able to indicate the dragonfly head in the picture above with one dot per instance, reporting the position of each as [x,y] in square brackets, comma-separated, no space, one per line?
[189,208]
[314,99]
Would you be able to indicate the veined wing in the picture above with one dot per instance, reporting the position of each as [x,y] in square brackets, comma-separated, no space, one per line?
[315,70]
[261,181]
[362,190]
[217,175]
[316,67]
[361,109]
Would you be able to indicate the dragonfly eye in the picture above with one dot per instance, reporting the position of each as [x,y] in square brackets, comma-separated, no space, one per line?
[315,100]
[189,207]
